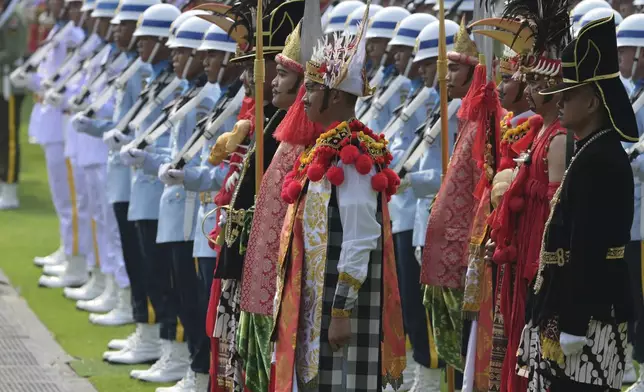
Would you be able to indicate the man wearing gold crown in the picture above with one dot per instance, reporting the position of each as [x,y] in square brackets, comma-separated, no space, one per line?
[338,322]
[539,146]
[575,338]
[445,255]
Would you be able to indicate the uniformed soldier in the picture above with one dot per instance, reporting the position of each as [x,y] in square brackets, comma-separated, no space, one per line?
[13,39]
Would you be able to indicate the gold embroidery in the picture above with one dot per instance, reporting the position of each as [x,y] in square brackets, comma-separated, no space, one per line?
[615,253]
[340,313]
[560,257]
[349,281]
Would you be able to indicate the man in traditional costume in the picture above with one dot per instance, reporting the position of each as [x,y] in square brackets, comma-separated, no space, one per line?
[445,256]
[539,143]
[238,197]
[575,338]
[338,322]
[293,133]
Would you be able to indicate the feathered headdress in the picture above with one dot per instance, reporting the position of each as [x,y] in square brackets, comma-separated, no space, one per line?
[300,43]
[338,61]
[538,30]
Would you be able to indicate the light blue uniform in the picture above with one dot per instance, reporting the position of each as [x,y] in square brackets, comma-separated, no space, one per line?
[638,167]
[427,180]
[175,200]
[147,188]
[402,207]
[381,119]
[209,179]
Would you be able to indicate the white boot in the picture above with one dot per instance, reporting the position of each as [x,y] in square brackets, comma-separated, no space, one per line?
[143,348]
[201,382]
[119,344]
[57,257]
[104,302]
[75,274]
[171,367]
[9,197]
[120,315]
[55,269]
[426,380]
[90,290]
[186,384]
[630,376]
[639,385]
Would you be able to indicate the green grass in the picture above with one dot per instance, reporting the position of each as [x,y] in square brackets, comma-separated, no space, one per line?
[32,231]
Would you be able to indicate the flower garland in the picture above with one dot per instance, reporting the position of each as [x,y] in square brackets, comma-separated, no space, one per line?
[509,136]
[352,143]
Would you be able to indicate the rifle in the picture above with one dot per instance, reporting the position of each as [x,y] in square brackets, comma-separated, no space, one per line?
[405,113]
[634,151]
[154,103]
[379,102]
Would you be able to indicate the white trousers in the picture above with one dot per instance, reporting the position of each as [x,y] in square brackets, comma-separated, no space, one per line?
[69,195]
[107,239]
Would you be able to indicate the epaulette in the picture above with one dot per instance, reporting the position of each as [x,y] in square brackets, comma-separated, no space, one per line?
[352,143]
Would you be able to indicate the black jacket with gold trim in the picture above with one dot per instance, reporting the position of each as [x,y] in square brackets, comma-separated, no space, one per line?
[583,274]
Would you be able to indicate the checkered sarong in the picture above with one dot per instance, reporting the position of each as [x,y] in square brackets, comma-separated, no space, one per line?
[356,368]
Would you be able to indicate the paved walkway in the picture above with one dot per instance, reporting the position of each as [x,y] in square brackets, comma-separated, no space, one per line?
[30,358]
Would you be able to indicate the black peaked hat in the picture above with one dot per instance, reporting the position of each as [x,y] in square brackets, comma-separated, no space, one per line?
[591,58]
[278,24]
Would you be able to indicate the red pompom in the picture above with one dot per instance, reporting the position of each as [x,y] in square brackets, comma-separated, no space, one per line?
[364,163]
[394,181]
[379,182]
[335,175]
[516,204]
[493,234]
[315,172]
[349,154]
[500,256]
[536,122]
[511,252]
[293,191]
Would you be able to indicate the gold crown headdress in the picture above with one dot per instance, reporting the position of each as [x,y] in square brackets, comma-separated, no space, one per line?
[338,61]
[465,50]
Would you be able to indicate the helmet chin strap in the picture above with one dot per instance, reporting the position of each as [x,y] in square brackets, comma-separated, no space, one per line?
[130,46]
[153,54]
[95,27]
[408,68]
[636,60]
[188,64]
[81,21]
[222,69]
[109,32]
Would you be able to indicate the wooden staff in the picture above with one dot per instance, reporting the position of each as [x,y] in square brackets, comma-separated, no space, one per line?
[259,98]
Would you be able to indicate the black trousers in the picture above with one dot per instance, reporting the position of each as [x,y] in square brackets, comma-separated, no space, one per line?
[150,280]
[9,139]
[633,256]
[558,385]
[185,292]
[415,315]
[201,358]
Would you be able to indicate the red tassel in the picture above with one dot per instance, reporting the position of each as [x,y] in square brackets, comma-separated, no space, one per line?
[364,163]
[335,175]
[315,172]
[349,154]
[293,191]
[516,204]
[379,182]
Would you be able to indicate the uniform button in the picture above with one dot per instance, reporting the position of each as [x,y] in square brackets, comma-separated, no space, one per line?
[178,195]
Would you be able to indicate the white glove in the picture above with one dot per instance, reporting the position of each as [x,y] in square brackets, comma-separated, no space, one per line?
[53,99]
[21,80]
[223,218]
[571,344]
[132,156]
[116,139]
[418,254]
[232,181]
[170,176]
[81,123]
[405,183]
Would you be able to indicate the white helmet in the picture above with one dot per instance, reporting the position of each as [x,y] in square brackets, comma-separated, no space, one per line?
[190,34]
[427,42]
[217,39]
[180,19]
[384,22]
[409,29]
[356,17]
[638,2]
[88,5]
[600,13]
[156,21]
[340,14]
[105,9]
[631,31]
[132,9]
[582,8]
[429,2]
